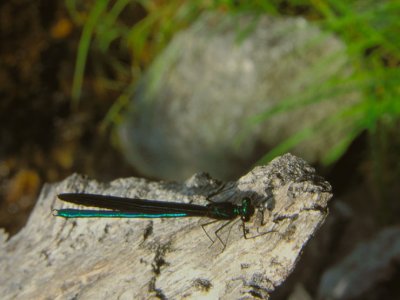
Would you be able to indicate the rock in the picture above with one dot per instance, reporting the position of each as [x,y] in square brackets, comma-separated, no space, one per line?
[167,258]
[194,108]
[359,275]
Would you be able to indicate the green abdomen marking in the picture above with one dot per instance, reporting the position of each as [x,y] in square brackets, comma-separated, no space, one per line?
[77,213]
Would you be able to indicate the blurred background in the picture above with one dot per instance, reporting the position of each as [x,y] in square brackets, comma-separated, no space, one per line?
[164,89]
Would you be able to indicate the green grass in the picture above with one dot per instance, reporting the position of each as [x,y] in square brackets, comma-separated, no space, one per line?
[370,29]
[103,25]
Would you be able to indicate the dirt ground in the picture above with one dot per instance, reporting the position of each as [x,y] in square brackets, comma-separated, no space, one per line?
[43,140]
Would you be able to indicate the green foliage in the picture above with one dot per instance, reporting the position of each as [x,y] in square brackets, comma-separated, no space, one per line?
[83,49]
[369,30]
[103,24]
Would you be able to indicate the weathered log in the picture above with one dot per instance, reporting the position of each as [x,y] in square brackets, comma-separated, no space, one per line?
[53,257]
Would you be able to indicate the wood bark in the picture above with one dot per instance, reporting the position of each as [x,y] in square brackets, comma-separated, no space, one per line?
[57,258]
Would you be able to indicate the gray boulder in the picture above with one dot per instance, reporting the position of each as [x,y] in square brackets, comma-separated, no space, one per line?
[193,110]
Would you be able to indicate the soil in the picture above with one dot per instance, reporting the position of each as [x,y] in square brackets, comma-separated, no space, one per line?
[42,139]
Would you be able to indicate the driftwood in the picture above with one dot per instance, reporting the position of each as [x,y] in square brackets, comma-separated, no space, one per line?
[56,258]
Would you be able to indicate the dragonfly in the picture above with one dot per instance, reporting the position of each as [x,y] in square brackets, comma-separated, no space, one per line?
[123,207]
